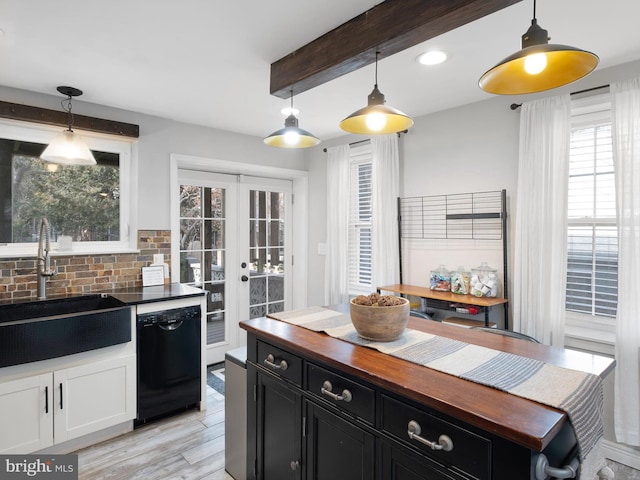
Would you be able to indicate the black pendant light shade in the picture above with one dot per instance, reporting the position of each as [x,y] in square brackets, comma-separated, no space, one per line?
[538,66]
[68,148]
[376,117]
[291,136]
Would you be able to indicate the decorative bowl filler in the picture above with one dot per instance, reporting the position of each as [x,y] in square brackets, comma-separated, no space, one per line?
[380,322]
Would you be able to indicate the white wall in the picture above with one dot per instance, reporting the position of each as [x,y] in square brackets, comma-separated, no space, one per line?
[467,149]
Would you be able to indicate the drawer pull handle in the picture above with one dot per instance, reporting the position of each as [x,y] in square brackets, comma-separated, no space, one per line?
[294,465]
[270,361]
[544,470]
[444,442]
[326,390]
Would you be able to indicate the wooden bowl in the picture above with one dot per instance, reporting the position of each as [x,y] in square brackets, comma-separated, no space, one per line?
[380,324]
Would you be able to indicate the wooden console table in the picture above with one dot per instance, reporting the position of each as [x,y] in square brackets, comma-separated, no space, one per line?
[484,303]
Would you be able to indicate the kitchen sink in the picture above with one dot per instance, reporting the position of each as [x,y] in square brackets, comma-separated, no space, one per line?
[43,329]
[36,309]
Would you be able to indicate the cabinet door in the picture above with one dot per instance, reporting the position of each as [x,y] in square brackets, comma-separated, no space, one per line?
[279,419]
[400,464]
[335,448]
[26,418]
[91,397]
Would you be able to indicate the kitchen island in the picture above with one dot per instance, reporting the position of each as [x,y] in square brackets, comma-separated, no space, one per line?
[320,406]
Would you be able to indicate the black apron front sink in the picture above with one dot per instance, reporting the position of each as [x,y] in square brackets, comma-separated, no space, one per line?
[31,339]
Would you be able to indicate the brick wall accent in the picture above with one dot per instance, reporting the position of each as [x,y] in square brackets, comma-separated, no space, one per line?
[78,274]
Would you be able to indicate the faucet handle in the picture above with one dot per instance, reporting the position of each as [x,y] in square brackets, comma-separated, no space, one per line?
[51,272]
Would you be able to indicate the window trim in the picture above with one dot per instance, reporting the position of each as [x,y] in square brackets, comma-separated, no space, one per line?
[360,154]
[125,147]
[582,331]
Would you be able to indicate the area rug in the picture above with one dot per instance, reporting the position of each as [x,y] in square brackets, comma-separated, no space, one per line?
[215,377]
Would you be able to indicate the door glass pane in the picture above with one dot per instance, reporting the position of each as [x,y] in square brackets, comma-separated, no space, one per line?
[202,250]
[266,230]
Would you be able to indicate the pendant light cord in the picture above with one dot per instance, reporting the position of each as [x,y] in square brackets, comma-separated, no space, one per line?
[534,10]
[376,84]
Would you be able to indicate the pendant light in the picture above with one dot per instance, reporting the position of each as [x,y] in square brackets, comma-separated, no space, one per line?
[68,148]
[291,136]
[376,117]
[538,66]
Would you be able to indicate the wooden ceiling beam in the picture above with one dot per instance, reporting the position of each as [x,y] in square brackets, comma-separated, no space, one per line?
[390,27]
[27,113]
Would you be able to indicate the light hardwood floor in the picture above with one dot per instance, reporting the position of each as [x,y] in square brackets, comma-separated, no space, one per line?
[187,446]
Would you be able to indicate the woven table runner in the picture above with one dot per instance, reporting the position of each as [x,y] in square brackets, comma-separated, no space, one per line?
[579,394]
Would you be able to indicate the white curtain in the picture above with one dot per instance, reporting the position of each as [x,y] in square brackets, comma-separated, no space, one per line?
[625,102]
[540,267]
[386,189]
[336,277]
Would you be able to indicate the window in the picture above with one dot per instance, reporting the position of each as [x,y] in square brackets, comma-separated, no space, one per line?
[592,250]
[89,204]
[360,218]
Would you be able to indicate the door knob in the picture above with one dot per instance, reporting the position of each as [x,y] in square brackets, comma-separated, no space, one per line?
[244,278]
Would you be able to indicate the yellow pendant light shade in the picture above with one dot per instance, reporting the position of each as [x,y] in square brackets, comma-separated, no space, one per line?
[68,148]
[376,117]
[538,66]
[291,136]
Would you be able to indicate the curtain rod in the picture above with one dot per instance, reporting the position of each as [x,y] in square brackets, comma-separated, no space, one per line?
[366,140]
[515,106]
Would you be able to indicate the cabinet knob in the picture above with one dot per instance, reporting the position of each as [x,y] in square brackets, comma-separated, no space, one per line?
[294,465]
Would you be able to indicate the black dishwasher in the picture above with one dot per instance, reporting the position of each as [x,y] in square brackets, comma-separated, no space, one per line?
[168,360]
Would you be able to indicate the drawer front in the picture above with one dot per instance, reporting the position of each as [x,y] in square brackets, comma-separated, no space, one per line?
[463,450]
[280,362]
[346,394]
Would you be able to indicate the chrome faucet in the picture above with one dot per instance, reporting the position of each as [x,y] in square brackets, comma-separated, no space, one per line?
[43,261]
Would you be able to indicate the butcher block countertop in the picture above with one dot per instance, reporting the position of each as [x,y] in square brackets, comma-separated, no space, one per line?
[519,420]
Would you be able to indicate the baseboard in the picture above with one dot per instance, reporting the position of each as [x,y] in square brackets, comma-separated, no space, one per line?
[89,439]
[621,453]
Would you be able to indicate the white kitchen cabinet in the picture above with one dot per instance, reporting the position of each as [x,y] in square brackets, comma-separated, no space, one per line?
[26,415]
[51,408]
[88,398]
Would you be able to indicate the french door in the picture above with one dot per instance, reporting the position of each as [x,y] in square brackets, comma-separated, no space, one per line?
[234,243]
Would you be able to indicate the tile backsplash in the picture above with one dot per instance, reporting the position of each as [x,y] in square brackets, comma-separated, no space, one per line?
[79,274]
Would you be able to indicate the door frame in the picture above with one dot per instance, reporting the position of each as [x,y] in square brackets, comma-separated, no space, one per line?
[299,211]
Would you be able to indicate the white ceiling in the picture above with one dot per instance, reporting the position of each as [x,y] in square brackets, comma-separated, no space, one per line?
[207,62]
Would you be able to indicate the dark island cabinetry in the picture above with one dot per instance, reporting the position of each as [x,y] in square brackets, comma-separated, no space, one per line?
[319,408]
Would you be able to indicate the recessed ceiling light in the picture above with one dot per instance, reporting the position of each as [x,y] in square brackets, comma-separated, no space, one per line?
[289,111]
[434,57]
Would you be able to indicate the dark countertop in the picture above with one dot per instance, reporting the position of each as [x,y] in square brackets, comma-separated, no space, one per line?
[159,293]
[128,296]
